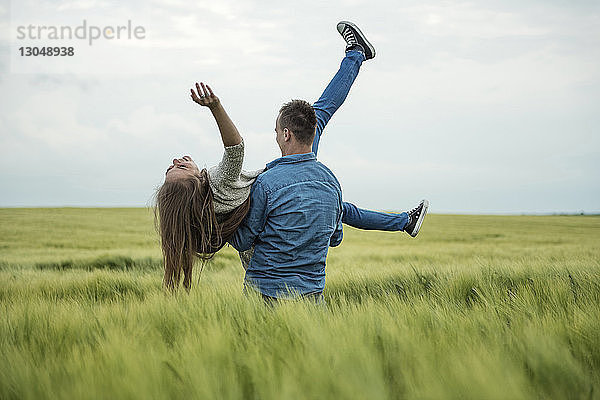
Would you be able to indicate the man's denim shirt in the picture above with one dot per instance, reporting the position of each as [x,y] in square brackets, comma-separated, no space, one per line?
[295,215]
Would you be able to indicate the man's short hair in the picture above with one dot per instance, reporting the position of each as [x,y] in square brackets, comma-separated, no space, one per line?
[299,117]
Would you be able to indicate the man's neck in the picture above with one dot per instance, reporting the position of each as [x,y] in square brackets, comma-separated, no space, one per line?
[300,149]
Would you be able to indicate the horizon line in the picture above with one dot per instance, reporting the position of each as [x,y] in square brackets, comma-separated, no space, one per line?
[442,212]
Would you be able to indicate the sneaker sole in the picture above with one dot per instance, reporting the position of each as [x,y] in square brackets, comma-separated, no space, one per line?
[362,35]
[421,218]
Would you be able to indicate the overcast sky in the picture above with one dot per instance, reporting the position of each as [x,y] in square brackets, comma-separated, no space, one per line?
[481,107]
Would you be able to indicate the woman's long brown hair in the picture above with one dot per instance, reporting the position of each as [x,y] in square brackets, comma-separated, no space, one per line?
[189,228]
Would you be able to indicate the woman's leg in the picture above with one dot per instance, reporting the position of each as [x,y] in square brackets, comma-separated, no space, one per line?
[332,98]
[336,92]
[373,220]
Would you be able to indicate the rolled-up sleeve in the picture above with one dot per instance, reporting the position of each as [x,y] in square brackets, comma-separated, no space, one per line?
[255,220]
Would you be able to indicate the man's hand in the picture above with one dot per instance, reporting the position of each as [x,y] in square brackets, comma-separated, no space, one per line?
[205,97]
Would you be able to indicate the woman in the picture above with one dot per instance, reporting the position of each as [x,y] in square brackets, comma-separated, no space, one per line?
[199,210]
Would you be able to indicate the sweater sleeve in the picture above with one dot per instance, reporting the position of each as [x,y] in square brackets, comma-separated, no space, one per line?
[229,169]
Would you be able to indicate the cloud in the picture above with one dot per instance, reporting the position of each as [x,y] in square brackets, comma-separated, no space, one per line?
[470,20]
[56,127]
[82,5]
[466,102]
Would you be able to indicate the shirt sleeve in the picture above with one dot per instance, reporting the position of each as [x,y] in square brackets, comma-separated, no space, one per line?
[338,234]
[255,220]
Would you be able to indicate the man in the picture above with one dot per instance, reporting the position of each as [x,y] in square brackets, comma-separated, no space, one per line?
[295,213]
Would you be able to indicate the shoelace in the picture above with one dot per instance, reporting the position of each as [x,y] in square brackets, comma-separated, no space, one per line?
[415,211]
[349,37]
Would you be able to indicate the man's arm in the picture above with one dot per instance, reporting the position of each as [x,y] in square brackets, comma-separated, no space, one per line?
[338,234]
[205,97]
[255,220]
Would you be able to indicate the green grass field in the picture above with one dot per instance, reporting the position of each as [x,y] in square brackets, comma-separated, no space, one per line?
[479,307]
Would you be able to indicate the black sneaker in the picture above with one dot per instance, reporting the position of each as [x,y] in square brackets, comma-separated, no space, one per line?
[355,38]
[415,218]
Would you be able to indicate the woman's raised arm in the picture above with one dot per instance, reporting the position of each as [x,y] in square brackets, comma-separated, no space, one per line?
[205,97]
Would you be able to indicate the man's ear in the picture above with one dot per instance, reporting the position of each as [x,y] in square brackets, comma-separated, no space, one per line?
[287,134]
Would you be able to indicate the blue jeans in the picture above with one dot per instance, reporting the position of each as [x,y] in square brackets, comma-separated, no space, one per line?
[332,98]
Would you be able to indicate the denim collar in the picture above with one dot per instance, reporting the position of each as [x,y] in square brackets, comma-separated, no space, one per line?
[292,158]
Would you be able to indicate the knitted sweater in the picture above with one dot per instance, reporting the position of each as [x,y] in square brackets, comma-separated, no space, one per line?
[230,184]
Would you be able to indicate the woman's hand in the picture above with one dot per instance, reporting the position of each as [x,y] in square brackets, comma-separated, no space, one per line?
[205,96]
